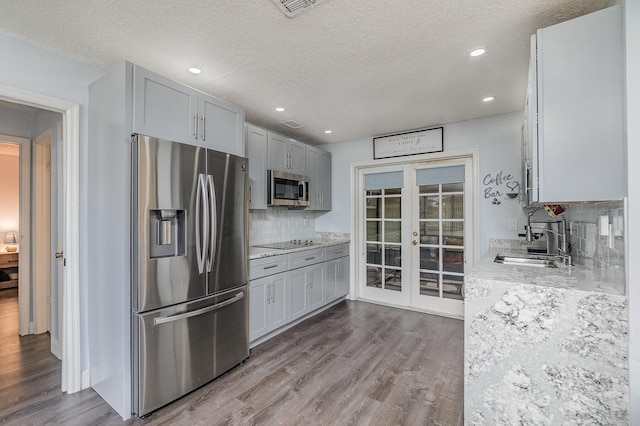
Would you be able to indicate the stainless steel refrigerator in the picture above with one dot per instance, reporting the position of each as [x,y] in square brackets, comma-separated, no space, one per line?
[190,269]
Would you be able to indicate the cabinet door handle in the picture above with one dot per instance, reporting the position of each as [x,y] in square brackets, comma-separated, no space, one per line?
[203,125]
[195,126]
[273,289]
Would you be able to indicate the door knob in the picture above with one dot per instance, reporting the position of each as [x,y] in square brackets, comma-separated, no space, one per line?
[59,254]
[414,242]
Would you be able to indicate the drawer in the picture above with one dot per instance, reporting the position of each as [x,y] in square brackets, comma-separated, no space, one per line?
[334,252]
[9,260]
[303,258]
[264,266]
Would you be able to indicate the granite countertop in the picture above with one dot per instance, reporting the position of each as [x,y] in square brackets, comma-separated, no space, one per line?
[260,252]
[578,277]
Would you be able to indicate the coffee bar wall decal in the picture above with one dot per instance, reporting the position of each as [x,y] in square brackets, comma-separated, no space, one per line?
[408,143]
[500,186]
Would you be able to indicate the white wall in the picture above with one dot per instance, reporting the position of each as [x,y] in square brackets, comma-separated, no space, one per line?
[498,139]
[632,28]
[29,68]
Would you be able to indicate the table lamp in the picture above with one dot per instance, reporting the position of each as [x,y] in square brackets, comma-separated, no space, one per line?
[10,238]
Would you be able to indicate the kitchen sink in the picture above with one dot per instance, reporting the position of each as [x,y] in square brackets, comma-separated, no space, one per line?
[536,260]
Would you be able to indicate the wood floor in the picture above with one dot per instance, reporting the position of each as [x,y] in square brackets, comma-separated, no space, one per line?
[354,364]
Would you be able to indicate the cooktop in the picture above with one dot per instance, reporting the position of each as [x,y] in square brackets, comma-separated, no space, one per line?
[286,245]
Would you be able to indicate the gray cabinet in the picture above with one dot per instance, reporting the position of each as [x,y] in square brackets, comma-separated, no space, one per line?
[267,304]
[169,110]
[319,172]
[256,138]
[574,149]
[221,125]
[336,277]
[285,288]
[286,155]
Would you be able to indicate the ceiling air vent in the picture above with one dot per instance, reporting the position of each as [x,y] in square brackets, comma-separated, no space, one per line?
[292,124]
[292,7]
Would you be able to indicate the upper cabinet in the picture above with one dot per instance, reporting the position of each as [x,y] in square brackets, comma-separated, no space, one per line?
[270,151]
[165,109]
[286,155]
[319,172]
[256,138]
[573,136]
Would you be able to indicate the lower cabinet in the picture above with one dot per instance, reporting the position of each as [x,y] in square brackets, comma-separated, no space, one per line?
[336,278]
[310,283]
[307,290]
[267,304]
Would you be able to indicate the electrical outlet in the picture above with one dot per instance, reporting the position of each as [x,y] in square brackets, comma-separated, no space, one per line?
[513,225]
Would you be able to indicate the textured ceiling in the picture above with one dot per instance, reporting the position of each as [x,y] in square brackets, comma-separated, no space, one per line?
[359,68]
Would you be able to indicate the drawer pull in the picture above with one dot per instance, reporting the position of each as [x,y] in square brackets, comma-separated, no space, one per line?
[271,266]
[310,258]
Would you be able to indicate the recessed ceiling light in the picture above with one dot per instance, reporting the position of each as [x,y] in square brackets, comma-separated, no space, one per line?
[488,99]
[279,109]
[478,52]
[327,131]
[194,70]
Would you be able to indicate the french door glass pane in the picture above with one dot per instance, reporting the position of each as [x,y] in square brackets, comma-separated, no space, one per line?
[452,286]
[374,229]
[429,207]
[392,231]
[441,229]
[429,284]
[384,238]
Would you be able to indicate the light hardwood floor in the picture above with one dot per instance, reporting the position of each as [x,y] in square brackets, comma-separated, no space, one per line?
[356,363]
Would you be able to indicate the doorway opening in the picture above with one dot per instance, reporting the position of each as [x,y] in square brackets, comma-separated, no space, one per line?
[69,335]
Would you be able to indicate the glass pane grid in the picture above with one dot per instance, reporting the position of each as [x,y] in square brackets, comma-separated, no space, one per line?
[441,223]
[383,238]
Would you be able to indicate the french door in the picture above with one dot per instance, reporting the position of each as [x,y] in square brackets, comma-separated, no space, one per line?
[416,238]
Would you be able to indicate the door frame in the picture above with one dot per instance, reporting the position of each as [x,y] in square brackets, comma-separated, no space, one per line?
[70,328]
[357,229]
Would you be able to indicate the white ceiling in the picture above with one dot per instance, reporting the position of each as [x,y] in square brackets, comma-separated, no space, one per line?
[359,68]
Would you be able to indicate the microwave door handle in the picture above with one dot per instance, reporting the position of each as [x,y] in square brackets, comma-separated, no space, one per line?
[211,192]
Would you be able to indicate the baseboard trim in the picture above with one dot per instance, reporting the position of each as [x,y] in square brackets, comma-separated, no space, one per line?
[85,379]
[55,347]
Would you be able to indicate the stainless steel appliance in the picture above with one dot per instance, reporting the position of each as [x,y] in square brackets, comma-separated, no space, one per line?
[190,273]
[287,189]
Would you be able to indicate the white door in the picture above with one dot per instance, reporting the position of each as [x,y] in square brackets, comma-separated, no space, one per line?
[416,234]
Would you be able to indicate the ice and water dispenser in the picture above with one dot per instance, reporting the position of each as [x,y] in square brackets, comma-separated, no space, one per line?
[167,229]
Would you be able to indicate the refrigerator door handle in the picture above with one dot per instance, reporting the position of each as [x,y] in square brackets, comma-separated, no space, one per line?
[211,193]
[201,237]
[178,317]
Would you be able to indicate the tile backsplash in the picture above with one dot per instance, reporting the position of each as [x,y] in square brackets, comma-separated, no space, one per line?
[597,233]
[277,224]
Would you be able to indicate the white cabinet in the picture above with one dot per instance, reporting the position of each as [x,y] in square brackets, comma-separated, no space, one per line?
[285,288]
[319,173]
[285,154]
[256,138]
[221,125]
[169,110]
[336,277]
[575,148]
[267,304]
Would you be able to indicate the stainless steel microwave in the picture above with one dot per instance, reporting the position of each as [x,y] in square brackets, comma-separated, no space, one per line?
[287,189]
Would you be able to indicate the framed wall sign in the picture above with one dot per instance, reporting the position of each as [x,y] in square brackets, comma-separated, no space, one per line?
[409,143]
